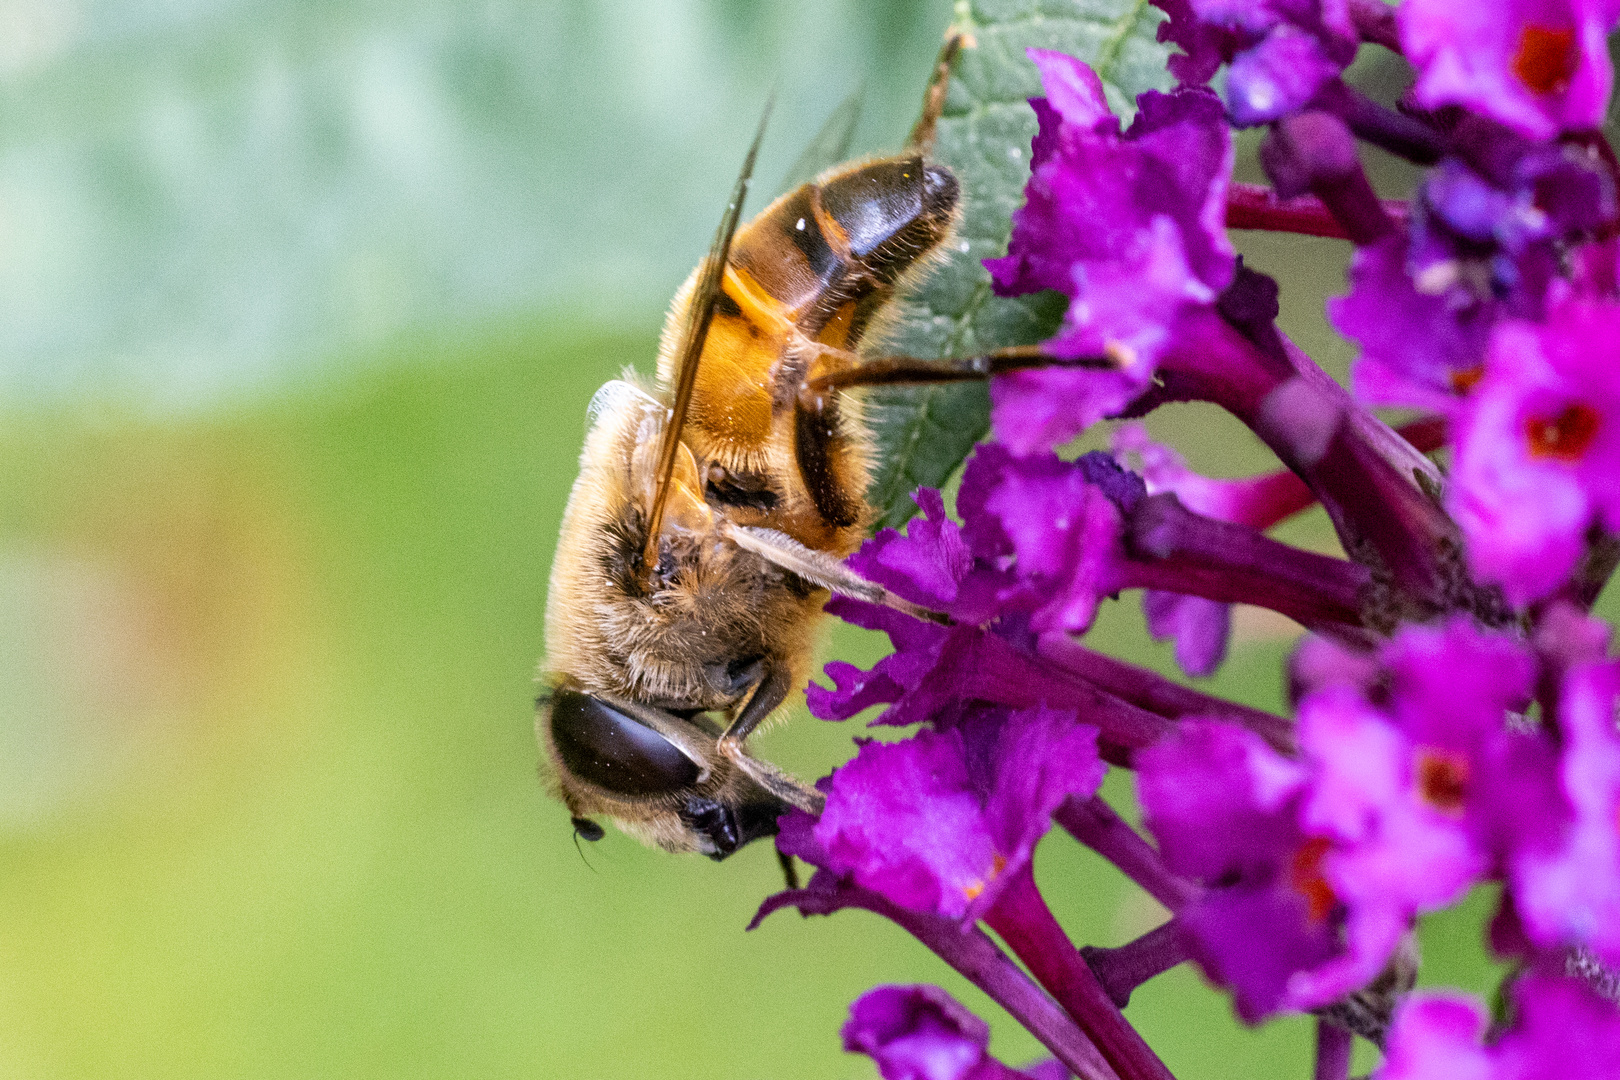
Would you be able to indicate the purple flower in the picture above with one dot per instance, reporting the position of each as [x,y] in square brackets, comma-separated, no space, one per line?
[1393,812]
[922,1033]
[1281,51]
[1565,872]
[1538,449]
[1130,227]
[1538,66]
[1045,534]
[1407,792]
[1199,627]
[937,821]
[1420,346]
[1561,1031]
[1225,808]
[1423,306]
[1033,570]
[1280,75]
[1435,1036]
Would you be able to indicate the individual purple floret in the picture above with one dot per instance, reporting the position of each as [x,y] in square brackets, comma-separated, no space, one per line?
[1436,1036]
[1560,1031]
[1394,810]
[1418,348]
[1422,305]
[1410,791]
[922,1033]
[1538,66]
[1045,535]
[1538,449]
[1281,52]
[1130,227]
[937,821]
[1565,872]
[1225,808]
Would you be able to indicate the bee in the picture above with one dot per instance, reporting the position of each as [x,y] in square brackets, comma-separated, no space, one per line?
[712,513]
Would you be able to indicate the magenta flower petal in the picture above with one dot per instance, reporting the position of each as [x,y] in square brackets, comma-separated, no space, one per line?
[1560,1031]
[1538,451]
[1408,790]
[926,564]
[1199,627]
[1417,348]
[1046,531]
[1566,880]
[916,1033]
[1437,1036]
[1225,808]
[1538,66]
[1129,226]
[1278,76]
[935,822]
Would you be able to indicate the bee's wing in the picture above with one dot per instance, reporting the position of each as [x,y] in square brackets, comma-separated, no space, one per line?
[699,313]
[830,146]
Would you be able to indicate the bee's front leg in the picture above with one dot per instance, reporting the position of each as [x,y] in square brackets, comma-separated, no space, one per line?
[772,691]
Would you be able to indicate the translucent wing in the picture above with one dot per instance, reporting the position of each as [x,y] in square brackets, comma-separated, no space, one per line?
[698,316]
[831,144]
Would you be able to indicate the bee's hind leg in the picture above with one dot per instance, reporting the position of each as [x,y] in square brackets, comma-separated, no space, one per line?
[819,390]
[922,136]
[771,692]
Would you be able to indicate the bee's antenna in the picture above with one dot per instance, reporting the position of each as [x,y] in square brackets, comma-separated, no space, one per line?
[702,313]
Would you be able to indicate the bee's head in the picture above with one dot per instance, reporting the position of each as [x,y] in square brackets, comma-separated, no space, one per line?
[655,773]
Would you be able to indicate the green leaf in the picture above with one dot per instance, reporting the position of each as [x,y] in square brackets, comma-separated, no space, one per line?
[924,432]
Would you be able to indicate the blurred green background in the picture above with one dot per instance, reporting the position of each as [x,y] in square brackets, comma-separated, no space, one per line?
[300,307]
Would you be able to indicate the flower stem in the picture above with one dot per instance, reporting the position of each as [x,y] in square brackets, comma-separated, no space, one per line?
[972,953]
[1258,207]
[1179,551]
[1123,969]
[1404,136]
[1095,824]
[1153,692]
[1027,925]
[1332,1051]
[1315,152]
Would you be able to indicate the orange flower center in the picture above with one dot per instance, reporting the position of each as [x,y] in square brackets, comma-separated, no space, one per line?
[998,863]
[1442,780]
[1546,60]
[1565,436]
[1305,876]
[1466,379]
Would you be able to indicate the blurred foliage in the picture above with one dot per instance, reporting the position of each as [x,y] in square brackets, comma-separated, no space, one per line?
[300,308]
[201,196]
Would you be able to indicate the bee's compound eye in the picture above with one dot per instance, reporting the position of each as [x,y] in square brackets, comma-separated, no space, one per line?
[617,753]
[587,830]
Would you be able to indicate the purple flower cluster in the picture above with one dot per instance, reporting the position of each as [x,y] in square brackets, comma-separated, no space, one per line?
[1454,702]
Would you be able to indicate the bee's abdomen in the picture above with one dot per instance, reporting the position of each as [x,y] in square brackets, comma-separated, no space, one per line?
[847,240]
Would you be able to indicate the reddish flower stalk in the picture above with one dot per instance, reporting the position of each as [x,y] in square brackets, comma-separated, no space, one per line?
[1259,207]
[1028,927]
